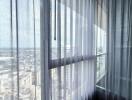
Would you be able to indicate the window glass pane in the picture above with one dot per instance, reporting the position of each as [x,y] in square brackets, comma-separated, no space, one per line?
[100,40]
[20,65]
[101,64]
[101,45]
[54,28]
[101,60]
[78,75]
[65,30]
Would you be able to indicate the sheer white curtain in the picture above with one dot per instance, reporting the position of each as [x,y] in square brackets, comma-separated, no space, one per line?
[20,50]
[72,49]
[114,17]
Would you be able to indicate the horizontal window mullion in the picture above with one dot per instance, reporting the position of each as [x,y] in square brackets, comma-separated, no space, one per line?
[62,62]
[70,60]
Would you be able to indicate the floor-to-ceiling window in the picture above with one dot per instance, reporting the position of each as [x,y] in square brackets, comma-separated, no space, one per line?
[20,50]
[72,49]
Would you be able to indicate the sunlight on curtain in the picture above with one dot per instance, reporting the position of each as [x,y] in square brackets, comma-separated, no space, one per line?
[20,50]
[72,49]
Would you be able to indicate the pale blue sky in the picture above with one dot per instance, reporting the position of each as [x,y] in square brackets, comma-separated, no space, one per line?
[25,23]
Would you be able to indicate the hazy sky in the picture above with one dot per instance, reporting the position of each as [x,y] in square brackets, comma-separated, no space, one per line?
[25,23]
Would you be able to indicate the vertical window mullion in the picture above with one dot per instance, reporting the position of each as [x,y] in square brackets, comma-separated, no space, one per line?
[45,47]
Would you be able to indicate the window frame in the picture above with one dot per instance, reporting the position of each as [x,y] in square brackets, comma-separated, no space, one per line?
[46,62]
[54,63]
[71,60]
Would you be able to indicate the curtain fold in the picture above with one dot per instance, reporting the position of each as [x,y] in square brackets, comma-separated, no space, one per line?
[115,20]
